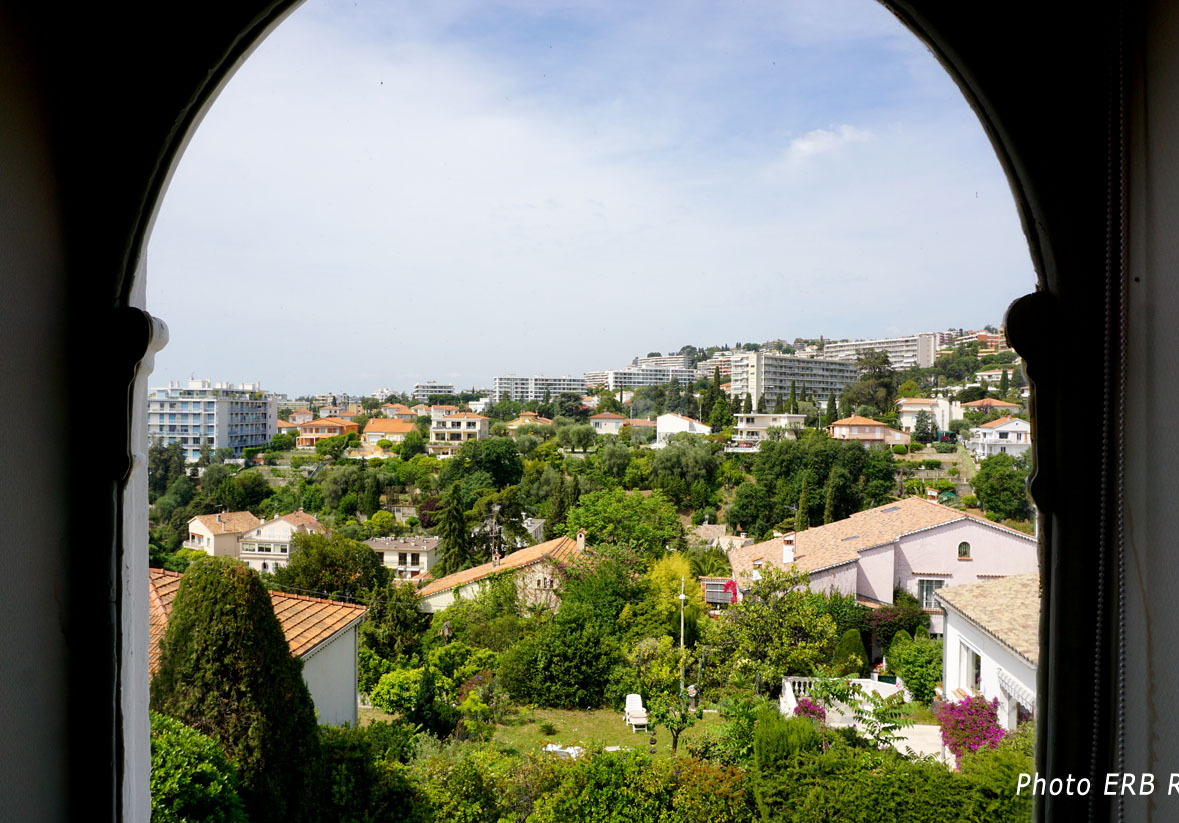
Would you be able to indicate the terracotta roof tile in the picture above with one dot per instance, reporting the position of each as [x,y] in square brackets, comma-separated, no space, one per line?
[1002,421]
[638,422]
[834,544]
[1008,609]
[607,416]
[228,522]
[856,420]
[557,549]
[388,426]
[306,622]
[988,402]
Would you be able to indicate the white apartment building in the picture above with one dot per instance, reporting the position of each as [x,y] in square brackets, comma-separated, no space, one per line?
[422,391]
[633,376]
[220,415]
[721,360]
[267,547]
[749,430]
[665,361]
[536,387]
[759,373]
[918,350]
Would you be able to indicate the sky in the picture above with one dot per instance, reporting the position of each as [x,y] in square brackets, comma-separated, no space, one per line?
[394,192]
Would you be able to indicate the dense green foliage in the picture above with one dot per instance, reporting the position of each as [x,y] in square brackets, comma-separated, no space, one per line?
[1001,487]
[850,656]
[191,778]
[225,670]
[331,566]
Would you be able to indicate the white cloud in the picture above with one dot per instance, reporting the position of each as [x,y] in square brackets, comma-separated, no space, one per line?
[821,141]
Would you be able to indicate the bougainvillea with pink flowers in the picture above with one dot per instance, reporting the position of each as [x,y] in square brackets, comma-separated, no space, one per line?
[809,708]
[970,724]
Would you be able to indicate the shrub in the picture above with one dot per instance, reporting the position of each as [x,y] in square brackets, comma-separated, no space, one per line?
[191,778]
[809,708]
[397,691]
[919,663]
[547,728]
[850,656]
[944,448]
[916,447]
[921,633]
[970,724]
[365,772]
[970,501]
[778,740]
[931,463]
[888,620]
[899,449]
[993,772]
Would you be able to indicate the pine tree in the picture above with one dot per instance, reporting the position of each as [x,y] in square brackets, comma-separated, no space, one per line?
[457,549]
[802,519]
[761,404]
[227,671]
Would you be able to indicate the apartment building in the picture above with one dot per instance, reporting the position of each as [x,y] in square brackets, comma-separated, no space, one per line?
[536,387]
[665,361]
[916,350]
[721,360]
[220,415]
[759,373]
[634,376]
[423,391]
[323,427]
[409,558]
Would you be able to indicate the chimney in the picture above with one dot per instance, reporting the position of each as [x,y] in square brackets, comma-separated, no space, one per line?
[581,541]
[787,549]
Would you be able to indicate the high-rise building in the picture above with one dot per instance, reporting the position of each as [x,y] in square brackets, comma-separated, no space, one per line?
[758,373]
[665,361]
[918,350]
[423,391]
[536,387]
[219,415]
[632,377]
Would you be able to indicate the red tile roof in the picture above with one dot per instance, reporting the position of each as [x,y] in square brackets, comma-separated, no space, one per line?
[557,549]
[1001,421]
[385,425]
[227,522]
[307,622]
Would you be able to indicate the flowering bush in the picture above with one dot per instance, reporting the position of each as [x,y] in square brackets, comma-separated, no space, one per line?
[808,708]
[970,724]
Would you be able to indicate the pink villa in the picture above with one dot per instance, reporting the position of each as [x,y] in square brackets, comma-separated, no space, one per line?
[913,544]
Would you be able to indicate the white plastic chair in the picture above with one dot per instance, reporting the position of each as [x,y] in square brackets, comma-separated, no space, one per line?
[635,715]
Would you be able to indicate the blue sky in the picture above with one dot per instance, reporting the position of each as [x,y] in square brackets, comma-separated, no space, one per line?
[394,192]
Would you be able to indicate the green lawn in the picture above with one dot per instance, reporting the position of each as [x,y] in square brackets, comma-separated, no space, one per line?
[603,727]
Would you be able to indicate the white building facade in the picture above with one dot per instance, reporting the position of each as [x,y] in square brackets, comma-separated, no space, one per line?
[769,374]
[750,430]
[219,415]
[423,391]
[918,350]
[634,376]
[1007,435]
[537,387]
[668,425]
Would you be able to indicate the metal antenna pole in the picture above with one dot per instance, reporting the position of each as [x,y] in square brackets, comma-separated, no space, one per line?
[683,597]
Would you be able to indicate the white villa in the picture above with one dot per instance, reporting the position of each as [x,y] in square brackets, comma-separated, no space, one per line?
[217,534]
[268,546]
[992,643]
[1006,435]
[670,424]
[749,430]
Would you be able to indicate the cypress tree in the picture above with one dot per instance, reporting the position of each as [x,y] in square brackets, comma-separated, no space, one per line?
[802,519]
[554,524]
[793,399]
[779,405]
[850,656]
[829,508]
[832,409]
[227,671]
[1004,383]
[748,407]
[761,404]
[573,493]
[457,550]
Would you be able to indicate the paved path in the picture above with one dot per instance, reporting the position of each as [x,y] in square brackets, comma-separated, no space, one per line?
[924,740]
